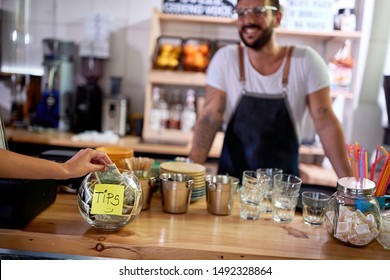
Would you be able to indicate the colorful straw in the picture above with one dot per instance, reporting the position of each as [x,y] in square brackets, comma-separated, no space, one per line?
[359,164]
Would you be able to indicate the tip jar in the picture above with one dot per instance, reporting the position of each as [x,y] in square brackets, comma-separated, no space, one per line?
[110,200]
[353,214]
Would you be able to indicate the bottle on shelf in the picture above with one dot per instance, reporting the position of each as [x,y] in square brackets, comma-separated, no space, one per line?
[164,110]
[155,114]
[175,110]
[340,68]
[159,110]
[347,20]
[188,116]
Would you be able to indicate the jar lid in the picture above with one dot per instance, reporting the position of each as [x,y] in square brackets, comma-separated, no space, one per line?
[353,186]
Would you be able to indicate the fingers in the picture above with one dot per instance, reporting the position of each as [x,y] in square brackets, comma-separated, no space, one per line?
[96,156]
[99,167]
[103,157]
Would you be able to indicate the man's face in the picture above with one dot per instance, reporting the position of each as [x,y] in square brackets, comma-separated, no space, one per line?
[255,27]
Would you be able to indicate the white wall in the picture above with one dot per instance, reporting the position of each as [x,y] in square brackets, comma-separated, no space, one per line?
[129,41]
[367,125]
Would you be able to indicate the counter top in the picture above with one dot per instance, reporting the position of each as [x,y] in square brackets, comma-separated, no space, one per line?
[64,139]
[196,234]
[56,138]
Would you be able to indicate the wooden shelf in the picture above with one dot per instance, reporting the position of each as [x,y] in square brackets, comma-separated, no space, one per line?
[324,35]
[177,77]
[186,78]
[196,19]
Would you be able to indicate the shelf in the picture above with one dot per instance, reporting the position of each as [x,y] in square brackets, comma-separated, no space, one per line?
[187,78]
[346,94]
[325,35]
[177,77]
[196,19]
[170,136]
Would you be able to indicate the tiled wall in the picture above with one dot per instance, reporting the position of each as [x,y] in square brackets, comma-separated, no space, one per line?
[129,40]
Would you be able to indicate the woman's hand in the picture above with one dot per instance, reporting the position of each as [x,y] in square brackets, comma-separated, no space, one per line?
[86,161]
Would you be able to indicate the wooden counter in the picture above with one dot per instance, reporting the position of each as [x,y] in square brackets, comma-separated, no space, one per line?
[64,139]
[194,235]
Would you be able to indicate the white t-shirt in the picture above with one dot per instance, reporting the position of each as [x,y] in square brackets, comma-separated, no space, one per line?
[308,73]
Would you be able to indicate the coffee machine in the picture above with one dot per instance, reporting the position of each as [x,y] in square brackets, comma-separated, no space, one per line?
[55,107]
[89,97]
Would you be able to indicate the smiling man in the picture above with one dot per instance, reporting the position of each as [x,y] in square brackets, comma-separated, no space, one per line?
[260,91]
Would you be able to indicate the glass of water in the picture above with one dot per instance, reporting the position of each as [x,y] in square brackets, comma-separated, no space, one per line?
[283,206]
[266,206]
[314,207]
[252,193]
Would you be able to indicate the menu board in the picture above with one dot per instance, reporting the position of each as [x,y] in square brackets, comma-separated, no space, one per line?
[216,8]
[309,15]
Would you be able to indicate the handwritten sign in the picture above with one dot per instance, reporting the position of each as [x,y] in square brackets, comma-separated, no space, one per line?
[107,199]
[309,15]
[216,8]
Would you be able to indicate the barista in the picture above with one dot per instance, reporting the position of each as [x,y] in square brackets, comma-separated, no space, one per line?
[261,91]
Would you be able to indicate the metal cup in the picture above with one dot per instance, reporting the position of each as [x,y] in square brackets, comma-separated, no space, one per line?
[176,191]
[148,182]
[220,192]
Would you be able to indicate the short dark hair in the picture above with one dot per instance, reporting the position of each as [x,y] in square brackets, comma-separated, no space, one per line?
[274,3]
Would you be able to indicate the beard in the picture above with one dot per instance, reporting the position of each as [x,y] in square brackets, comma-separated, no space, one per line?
[263,39]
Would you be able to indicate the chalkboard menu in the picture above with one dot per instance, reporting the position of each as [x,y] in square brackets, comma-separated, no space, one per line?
[216,8]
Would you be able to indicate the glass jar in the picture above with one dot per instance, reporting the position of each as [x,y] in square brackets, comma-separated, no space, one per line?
[384,236]
[353,214]
[110,201]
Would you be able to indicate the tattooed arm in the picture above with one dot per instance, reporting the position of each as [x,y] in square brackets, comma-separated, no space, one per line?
[207,124]
[330,131]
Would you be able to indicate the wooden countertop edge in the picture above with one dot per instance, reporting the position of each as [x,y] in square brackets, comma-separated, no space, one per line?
[85,247]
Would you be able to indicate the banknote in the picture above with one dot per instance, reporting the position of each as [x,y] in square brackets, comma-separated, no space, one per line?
[111,176]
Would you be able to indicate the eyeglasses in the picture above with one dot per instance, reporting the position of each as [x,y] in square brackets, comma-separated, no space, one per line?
[259,11]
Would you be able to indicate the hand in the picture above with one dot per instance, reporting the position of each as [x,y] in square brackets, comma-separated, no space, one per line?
[86,161]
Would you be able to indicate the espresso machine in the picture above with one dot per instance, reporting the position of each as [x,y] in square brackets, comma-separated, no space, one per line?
[89,97]
[55,107]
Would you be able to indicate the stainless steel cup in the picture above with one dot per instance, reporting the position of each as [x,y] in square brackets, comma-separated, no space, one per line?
[148,182]
[176,191]
[220,192]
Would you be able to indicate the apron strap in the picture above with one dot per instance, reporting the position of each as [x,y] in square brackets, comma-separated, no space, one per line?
[241,63]
[287,67]
[241,68]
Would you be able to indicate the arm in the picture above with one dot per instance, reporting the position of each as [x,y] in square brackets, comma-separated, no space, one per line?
[14,165]
[207,124]
[329,130]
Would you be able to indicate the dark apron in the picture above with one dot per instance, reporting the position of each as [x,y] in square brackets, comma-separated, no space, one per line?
[260,133]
